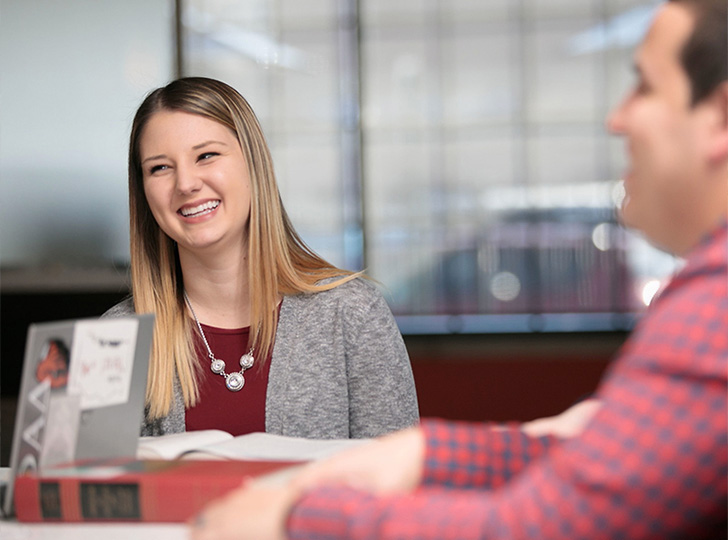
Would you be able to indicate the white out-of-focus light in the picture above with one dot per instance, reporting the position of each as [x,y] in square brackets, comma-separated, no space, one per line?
[618,194]
[505,286]
[649,290]
[601,237]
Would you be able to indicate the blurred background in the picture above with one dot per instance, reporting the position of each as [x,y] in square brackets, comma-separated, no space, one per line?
[455,149]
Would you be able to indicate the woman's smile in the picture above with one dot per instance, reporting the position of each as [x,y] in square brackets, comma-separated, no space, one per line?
[199,210]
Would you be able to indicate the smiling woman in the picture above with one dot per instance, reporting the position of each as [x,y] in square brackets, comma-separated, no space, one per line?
[254,331]
[196,183]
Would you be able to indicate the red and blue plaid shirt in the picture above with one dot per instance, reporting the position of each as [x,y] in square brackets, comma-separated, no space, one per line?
[653,462]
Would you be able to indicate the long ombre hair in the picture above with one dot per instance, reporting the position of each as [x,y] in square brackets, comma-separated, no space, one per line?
[279,261]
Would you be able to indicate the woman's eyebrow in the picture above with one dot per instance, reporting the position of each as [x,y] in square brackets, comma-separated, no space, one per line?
[203,144]
[196,147]
[150,158]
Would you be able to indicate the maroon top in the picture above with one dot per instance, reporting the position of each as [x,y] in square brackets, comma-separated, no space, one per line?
[218,408]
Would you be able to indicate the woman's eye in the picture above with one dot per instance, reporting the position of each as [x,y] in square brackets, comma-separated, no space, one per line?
[207,155]
[157,168]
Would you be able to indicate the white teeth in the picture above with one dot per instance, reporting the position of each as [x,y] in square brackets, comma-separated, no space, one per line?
[204,207]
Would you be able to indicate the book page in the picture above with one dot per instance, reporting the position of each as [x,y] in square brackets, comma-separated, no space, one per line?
[270,447]
[174,445]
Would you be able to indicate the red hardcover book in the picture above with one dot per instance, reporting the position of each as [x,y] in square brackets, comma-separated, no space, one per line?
[131,490]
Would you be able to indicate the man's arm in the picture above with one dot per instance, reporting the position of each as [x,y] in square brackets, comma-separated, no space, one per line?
[636,472]
[482,456]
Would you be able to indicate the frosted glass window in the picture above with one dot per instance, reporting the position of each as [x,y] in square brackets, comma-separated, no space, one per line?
[470,132]
[398,187]
[399,13]
[305,167]
[545,9]
[477,10]
[565,157]
[479,82]
[561,85]
[397,81]
[477,160]
[307,96]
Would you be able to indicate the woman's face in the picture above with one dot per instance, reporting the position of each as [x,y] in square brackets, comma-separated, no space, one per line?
[196,181]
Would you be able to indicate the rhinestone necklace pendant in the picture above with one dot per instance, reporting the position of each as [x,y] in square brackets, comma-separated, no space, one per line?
[217,366]
[246,361]
[235,381]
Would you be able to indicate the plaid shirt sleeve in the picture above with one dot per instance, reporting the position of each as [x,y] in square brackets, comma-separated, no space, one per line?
[653,463]
[484,456]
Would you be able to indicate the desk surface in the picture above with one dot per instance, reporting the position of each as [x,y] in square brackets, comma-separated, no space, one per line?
[12,530]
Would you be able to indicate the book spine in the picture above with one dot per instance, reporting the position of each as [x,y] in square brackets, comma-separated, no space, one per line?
[150,499]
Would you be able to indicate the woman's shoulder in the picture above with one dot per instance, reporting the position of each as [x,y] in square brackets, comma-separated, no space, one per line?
[358,289]
[122,309]
[356,298]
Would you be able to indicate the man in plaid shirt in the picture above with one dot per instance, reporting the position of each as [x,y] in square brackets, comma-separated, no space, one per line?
[649,457]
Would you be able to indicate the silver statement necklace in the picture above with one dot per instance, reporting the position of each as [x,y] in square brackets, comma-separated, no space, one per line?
[234,381]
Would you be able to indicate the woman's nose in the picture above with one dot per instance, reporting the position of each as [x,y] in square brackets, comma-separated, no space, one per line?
[187,181]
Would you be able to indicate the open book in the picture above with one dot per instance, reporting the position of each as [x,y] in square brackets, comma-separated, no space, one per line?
[217,444]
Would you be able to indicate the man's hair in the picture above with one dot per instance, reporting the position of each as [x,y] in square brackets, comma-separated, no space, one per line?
[705,54]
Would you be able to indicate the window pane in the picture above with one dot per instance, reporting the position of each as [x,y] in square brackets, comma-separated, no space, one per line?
[480,82]
[488,179]
[561,85]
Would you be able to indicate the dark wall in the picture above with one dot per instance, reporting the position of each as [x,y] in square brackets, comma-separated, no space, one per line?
[508,377]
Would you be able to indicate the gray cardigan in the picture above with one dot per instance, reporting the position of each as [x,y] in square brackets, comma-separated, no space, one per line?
[339,368]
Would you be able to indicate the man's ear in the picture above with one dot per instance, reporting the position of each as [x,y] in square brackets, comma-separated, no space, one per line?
[718,104]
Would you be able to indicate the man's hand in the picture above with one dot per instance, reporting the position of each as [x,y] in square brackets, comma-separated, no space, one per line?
[569,423]
[390,464]
[253,511]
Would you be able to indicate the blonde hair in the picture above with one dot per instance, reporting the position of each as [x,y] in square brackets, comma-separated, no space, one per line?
[280,263]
